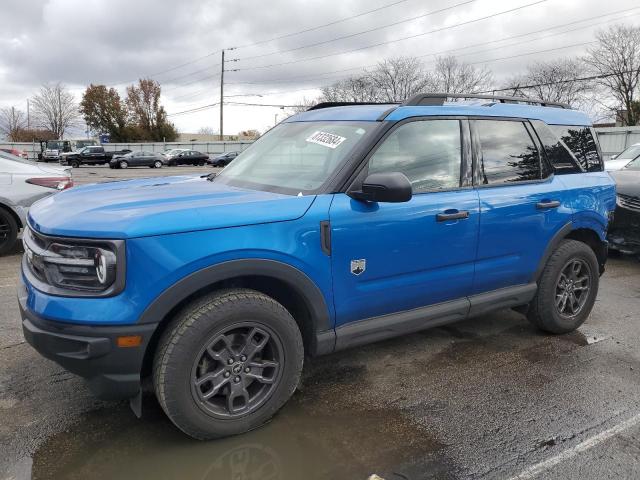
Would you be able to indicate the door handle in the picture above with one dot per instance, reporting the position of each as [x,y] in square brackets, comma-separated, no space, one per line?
[547,204]
[455,215]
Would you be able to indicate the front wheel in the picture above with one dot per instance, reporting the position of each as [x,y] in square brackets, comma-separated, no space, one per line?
[227,363]
[124,164]
[567,288]
[8,231]
[75,164]
[157,164]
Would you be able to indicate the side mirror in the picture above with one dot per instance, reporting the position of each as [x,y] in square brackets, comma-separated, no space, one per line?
[392,187]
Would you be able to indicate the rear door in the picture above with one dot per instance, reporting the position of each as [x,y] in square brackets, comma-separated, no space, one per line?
[522,204]
[393,257]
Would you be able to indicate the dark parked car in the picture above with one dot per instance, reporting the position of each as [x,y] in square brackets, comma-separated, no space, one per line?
[624,234]
[222,160]
[137,159]
[188,157]
[94,155]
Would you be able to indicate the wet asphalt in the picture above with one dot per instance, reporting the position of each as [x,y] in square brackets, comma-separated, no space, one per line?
[490,397]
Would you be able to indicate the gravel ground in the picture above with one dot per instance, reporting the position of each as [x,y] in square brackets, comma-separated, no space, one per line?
[490,397]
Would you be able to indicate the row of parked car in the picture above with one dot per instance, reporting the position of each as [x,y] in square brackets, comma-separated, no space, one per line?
[97,155]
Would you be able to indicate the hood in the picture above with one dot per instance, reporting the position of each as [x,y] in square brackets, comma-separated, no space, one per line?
[627,182]
[157,206]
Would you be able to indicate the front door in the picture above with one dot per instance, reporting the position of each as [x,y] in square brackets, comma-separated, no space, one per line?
[393,257]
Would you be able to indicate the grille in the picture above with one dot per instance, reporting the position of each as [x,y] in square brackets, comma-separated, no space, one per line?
[627,201]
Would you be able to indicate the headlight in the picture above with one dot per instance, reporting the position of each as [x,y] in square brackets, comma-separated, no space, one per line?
[67,267]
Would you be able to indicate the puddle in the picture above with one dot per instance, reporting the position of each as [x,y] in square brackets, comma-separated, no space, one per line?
[319,434]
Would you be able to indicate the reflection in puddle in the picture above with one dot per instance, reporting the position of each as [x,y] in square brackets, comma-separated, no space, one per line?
[320,434]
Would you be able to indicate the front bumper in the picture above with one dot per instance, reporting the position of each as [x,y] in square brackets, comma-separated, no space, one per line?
[89,351]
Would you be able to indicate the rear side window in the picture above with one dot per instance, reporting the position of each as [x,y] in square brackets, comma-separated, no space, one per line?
[507,153]
[428,152]
[582,144]
[558,154]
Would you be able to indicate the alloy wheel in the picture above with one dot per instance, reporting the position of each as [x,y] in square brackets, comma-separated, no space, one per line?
[237,370]
[572,288]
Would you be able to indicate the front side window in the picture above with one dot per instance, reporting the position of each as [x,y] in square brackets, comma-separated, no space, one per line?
[582,144]
[428,152]
[296,157]
[508,153]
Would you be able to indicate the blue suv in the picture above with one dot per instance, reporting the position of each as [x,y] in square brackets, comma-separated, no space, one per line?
[343,225]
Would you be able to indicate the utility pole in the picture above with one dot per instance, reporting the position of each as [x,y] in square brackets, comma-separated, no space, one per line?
[28,119]
[222,97]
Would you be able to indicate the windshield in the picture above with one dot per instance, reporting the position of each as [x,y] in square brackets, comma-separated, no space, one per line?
[630,153]
[634,165]
[296,157]
[54,145]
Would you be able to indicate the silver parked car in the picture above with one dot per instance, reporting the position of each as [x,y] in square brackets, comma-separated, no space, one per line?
[22,182]
[618,162]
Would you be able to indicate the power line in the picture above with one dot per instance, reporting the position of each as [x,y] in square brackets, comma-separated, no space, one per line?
[318,27]
[295,79]
[395,40]
[558,82]
[351,35]
[194,110]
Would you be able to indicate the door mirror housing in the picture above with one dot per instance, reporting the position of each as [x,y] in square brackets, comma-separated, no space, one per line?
[392,187]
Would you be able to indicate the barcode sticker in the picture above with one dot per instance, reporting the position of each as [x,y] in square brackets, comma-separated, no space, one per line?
[326,139]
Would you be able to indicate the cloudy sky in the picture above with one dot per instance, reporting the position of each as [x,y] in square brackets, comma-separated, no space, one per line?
[178,43]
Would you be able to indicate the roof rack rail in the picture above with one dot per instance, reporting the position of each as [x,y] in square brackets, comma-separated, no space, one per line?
[344,104]
[434,99]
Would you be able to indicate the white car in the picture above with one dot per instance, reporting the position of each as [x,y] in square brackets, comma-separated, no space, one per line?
[22,182]
[618,162]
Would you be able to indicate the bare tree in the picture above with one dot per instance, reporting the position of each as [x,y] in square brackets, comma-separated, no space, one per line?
[553,81]
[396,79]
[55,108]
[450,75]
[12,121]
[352,89]
[616,59]
[207,131]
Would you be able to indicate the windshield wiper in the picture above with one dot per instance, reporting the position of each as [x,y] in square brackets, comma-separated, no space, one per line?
[210,176]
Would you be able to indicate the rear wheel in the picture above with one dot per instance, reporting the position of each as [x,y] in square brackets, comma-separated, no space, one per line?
[567,288]
[8,231]
[227,363]
[123,164]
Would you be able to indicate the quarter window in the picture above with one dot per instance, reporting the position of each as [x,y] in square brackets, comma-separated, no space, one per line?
[428,152]
[508,153]
[561,159]
[582,144]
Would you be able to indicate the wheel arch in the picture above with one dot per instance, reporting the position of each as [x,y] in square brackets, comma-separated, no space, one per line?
[582,234]
[286,284]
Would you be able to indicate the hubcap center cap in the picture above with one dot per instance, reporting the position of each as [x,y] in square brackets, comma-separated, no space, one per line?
[237,368]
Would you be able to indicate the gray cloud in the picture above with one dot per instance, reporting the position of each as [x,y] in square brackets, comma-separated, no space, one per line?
[112,41]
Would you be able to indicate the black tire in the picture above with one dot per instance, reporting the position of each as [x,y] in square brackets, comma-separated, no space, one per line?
[8,231]
[75,164]
[547,310]
[157,164]
[123,164]
[203,328]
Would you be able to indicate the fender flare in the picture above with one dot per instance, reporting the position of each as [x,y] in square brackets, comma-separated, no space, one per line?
[298,280]
[551,246]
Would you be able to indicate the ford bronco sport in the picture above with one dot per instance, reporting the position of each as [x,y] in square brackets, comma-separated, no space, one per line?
[343,225]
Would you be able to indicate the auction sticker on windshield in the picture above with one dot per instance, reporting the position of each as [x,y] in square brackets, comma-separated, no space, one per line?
[326,139]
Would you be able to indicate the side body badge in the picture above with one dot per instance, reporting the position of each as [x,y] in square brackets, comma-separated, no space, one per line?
[358,266]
